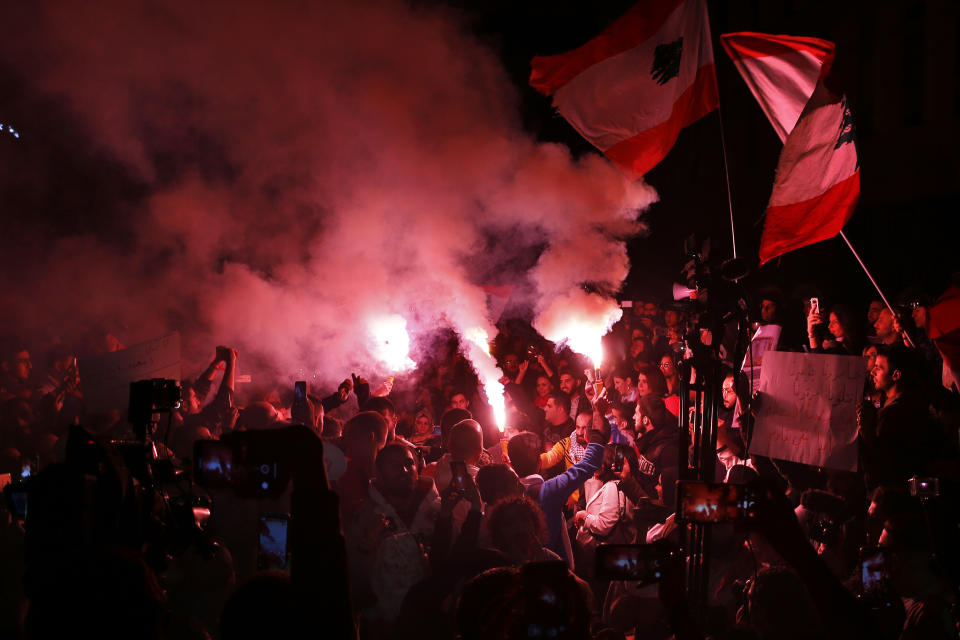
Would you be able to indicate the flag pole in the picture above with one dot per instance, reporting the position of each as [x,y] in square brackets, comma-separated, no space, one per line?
[875,285]
[726,173]
[723,138]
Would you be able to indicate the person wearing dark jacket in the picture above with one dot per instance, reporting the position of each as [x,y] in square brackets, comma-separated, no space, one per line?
[658,448]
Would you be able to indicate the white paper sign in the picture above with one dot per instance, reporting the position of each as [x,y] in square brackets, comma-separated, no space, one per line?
[765,339]
[106,377]
[808,408]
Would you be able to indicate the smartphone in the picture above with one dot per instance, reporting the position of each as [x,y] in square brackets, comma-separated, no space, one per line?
[300,390]
[272,551]
[815,306]
[458,473]
[241,463]
[640,562]
[874,576]
[300,412]
[618,461]
[710,502]
[215,464]
[15,496]
[25,471]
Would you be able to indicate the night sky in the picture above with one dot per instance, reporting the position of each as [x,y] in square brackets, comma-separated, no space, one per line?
[906,114]
[117,131]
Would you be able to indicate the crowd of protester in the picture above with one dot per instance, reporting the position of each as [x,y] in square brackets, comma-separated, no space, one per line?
[429,520]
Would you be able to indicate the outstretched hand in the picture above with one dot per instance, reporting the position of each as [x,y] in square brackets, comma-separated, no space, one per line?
[600,402]
[226,354]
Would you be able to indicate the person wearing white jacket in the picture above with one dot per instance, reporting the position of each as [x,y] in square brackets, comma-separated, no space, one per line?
[609,513]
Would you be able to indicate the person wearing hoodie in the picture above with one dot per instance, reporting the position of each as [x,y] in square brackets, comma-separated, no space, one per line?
[551,495]
[658,448]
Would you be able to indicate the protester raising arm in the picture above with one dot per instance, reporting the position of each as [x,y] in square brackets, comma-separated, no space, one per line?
[547,369]
[814,321]
[203,383]
[361,389]
[775,519]
[338,397]
[521,398]
[220,414]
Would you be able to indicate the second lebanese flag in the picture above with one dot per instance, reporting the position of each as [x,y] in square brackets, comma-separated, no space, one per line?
[630,90]
[818,176]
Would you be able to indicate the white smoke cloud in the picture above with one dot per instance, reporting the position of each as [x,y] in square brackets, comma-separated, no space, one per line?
[306,167]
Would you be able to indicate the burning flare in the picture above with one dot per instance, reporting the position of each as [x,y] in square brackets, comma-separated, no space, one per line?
[478,351]
[391,343]
[581,320]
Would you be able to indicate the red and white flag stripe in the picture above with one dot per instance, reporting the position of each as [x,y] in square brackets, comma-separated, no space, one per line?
[630,90]
[781,72]
[818,175]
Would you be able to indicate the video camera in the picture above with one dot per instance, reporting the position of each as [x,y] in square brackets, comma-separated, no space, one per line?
[149,397]
[924,488]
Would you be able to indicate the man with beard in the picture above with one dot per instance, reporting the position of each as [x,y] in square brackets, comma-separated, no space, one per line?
[551,495]
[658,446]
[572,385]
[903,439]
[886,328]
[569,450]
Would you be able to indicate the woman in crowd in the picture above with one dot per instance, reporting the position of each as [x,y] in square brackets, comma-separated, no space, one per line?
[608,514]
[843,338]
[423,428]
[544,389]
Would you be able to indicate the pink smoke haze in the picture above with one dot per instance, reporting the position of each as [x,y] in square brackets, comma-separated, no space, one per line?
[332,162]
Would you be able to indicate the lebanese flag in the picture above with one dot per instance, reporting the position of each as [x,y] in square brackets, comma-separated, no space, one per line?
[818,176]
[630,90]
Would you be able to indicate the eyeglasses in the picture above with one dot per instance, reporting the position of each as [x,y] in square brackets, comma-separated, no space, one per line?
[728,390]
[664,365]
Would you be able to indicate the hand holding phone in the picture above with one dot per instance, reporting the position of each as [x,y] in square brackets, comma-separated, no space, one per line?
[618,461]
[874,575]
[300,390]
[458,473]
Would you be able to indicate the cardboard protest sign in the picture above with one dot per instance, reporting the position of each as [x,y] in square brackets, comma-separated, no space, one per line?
[765,339]
[808,408]
[106,377]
